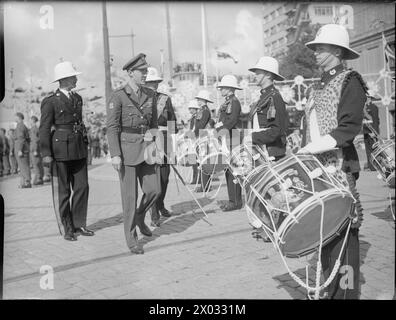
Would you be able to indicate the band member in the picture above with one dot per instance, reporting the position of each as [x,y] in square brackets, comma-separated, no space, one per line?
[35,156]
[201,122]
[371,116]
[22,147]
[268,117]
[131,113]
[334,114]
[64,149]
[229,114]
[13,161]
[166,116]
[193,109]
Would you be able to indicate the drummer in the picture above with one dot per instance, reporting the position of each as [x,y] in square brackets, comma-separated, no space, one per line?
[229,114]
[334,115]
[268,117]
[201,123]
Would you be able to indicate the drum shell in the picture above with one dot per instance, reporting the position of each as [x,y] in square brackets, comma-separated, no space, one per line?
[383,160]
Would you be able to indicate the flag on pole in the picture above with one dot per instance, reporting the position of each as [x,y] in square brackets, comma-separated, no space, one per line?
[389,54]
[224,55]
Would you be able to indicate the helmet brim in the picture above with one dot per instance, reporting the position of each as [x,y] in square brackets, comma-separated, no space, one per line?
[349,54]
[277,76]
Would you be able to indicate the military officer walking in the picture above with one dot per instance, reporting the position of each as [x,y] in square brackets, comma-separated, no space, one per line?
[65,149]
[268,117]
[167,126]
[229,114]
[131,113]
[35,156]
[201,123]
[22,148]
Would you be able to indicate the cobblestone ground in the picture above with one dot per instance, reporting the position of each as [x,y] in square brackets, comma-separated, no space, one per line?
[189,256]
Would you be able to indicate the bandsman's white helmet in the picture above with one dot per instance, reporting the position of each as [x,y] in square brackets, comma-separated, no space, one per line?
[229,81]
[268,64]
[193,104]
[152,75]
[63,70]
[336,35]
[204,95]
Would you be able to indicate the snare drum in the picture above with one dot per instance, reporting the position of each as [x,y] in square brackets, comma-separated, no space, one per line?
[245,157]
[294,142]
[383,160]
[211,157]
[287,199]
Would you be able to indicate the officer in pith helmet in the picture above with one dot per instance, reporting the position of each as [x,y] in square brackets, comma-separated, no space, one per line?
[334,115]
[229,114]
[65,151]
[167,126]
[131,113]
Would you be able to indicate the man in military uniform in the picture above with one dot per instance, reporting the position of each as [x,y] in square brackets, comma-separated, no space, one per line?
[13,161]
[229,114]
[35,155]
[193,108]
[269,118]
[201,122]
[6,152]
[167,126]
[22,142]
[65,150]
[131,113]
[334,115]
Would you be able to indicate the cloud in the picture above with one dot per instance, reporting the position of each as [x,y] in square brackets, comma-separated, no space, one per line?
[245,44]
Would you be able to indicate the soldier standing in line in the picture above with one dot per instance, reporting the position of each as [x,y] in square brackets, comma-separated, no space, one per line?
[6,153]
[201,122]
[193,108]
[35,156]
[13,161]
[229,114]
[22,147]
[166,116]
[131,113]
[65,150]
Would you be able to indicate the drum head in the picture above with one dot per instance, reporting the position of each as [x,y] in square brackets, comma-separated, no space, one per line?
[303,237]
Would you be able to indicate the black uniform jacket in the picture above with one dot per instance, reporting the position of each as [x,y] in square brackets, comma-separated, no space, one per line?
[201,120]
[271,115]
[63,113]
[127,111]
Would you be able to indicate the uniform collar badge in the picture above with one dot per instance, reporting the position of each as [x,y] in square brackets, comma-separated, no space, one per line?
[332,72]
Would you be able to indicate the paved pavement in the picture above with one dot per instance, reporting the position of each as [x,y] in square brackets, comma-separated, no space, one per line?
[189,256]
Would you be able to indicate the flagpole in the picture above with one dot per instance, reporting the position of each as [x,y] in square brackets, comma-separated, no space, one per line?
[204,68]
[217,80]
[385,86]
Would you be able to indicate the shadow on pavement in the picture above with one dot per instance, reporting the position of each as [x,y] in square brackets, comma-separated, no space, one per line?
[106,223]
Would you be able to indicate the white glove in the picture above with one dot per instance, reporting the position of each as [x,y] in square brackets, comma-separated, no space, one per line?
[116,162]
[218,124]
[148,137]
[323,144]
[247,138]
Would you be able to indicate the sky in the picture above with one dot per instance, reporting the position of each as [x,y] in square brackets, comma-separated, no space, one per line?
[76,36]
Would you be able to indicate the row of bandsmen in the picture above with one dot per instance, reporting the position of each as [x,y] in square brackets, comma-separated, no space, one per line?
[21,152]
[334,117]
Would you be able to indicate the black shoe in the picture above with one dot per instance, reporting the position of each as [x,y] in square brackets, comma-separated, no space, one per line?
[70,237]
[84,232]
[231,207]
[145,230]
[138,249]
[26,185]
[155,224]
[165,213]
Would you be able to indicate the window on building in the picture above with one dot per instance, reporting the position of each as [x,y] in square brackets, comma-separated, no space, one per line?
[324,11]
[273,31]
[273,15]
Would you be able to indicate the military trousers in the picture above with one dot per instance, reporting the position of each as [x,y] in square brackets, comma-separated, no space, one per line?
[164,172]
[38,170]
[234,189]
[13,164]
[70,177]
[149,180]
[24,167]
[346,284]
[6,164]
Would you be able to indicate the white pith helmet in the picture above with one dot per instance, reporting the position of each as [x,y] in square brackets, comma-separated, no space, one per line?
[229,81]
[193,104]
[336,35]
[204,95]
[152,75]
[63,70]
[268,64]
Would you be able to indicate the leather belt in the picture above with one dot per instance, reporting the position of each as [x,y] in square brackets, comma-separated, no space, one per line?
[140,130]
[64,127]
